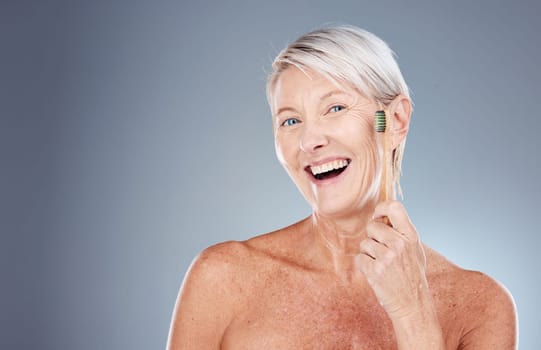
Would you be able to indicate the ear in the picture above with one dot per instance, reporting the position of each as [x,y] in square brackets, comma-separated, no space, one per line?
[400,115]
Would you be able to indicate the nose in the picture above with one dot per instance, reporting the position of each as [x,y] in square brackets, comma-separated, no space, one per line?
[313,138]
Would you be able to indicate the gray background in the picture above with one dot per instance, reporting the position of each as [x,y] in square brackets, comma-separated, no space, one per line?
[134,134]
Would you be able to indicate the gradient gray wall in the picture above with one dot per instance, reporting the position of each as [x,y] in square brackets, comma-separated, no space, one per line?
[134,134]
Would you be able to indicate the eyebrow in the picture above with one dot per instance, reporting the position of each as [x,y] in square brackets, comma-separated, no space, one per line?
[285,109]
[323,97]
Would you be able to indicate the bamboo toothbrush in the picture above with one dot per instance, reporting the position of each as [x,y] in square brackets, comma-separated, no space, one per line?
[382,133]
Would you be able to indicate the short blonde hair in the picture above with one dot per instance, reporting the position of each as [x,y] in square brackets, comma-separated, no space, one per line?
[351,55]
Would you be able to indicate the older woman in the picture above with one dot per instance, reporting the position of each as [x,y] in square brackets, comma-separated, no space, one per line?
[354,274]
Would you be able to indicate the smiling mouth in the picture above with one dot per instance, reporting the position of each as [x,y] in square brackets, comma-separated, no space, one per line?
[328,170]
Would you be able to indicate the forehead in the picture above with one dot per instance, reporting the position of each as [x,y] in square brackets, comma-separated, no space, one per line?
[294,84]
[295,81]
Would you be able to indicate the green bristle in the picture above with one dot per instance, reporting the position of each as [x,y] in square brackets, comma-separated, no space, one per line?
[379,121]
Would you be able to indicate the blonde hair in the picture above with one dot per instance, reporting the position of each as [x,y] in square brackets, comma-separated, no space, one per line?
[351,55]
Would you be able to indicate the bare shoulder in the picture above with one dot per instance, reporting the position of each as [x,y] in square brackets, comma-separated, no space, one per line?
[485,308]
[206,302]
[233,262]
[218,268]
[475,290]
[485,299]
[217,285]
[221,257]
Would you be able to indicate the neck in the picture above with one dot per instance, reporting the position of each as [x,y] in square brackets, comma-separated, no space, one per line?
[339,239]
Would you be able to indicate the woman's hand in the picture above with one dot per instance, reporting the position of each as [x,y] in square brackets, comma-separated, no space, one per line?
[393,260]
[394,263]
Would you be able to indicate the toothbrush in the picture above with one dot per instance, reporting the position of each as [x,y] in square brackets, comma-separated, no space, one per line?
[380,126]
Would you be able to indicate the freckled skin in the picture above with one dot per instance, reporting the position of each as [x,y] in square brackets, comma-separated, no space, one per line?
[270,292]
[297,304]
[339,279]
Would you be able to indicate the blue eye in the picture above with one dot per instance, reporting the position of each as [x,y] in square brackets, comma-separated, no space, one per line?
[290,122]
[336,108]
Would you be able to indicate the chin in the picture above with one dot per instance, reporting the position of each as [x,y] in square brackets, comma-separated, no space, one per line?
[340,196]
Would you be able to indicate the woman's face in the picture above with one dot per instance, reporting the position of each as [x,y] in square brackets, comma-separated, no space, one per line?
[325,139]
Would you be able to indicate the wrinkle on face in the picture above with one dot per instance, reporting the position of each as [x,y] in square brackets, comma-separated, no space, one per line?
[308,97]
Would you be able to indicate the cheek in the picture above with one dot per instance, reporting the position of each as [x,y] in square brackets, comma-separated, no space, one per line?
[278,150]
[370,161]
[371,181]
[361,132]
[368,152]
[285,151]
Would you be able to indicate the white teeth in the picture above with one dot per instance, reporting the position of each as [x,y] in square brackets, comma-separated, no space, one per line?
[323,168]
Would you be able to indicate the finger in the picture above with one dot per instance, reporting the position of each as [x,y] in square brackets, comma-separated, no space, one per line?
[381,232]
[367,266]
[398,217]
[373,249]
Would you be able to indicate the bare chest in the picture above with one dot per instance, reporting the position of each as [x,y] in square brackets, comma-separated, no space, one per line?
[307,313]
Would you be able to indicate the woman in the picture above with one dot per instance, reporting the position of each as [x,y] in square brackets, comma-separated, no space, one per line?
[354,274]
